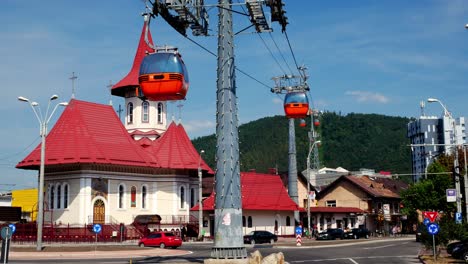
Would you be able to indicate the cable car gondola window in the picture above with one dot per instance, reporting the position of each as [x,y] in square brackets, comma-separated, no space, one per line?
[160,112]
[130,113]
[145,112]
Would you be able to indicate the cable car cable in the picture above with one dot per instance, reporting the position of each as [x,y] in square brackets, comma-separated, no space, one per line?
[292,52]
[271,53]
[271,36]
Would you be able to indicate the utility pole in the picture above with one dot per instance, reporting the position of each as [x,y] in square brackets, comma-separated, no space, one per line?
[287,84]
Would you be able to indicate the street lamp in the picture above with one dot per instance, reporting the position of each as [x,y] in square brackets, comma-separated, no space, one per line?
[308,183]
[43,121]
[200,205]
[455,160]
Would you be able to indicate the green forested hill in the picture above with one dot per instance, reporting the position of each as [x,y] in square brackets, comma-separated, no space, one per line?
[352,141]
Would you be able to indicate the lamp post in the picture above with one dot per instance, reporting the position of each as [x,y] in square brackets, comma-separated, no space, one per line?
[455,160]
[308,182]
[200,204]
[43,121]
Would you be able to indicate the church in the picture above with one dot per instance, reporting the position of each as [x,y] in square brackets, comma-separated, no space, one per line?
[98,170]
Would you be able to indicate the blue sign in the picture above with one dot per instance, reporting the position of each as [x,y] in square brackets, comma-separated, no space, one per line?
[426,221]
[6,232]
[458,217]
[97,228]
[433,228]
[298,230]
[12,227]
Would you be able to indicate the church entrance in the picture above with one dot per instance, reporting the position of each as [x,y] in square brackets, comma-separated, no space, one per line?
[99,212]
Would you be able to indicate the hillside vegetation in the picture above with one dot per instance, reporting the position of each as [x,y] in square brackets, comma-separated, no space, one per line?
[352,141]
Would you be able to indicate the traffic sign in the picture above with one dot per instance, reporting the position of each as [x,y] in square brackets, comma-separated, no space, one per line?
[451,195]
[6,232]
[12,227]
[426,221]
[298,230]
[433,228]
[431,215]
[458,217]
[97,228]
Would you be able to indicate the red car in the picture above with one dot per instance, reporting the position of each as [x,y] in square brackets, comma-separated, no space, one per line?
[160,239]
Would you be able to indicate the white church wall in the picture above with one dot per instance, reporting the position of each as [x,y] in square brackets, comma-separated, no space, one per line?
[265,220]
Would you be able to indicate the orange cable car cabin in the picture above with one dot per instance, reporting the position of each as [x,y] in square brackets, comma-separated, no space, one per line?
[296,105]
[163,76]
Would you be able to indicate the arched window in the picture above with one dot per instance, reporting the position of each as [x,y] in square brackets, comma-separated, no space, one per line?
[192,198]
[59,196]
[243,221]
[65,196]
[52,196]
[160,113]
[130,113]
[143,197]
[182,197]
[145,112]
[249,221]
[288,221]
[121,196]
[133,196]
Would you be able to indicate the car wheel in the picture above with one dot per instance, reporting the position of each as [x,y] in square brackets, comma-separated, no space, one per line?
[355,237]
[465,256]
[367,236]
[141,245]
[252,242]
[272,241]
[162,245]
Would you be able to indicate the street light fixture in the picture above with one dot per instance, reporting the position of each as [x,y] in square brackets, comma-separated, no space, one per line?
[200,204]
[43,121]
[308,183]
[455,160]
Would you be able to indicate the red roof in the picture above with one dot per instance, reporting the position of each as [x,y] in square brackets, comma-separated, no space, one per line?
[92,133]
[131,80]
[88,133]
[175,150]
[259,192]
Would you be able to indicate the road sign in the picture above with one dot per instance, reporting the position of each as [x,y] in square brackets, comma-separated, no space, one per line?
[6,232]
[451,195]
[97,228]
[13,228]
[431,215]
[426,221]
[433,228]
[458,217]
[298,230]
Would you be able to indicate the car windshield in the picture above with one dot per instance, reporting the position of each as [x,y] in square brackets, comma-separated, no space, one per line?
[168,234]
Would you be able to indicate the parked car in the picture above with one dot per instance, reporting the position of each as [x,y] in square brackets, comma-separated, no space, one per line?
[331,234]
[419,232]
[356,233]
[160,239]
[458,249]
[255,237]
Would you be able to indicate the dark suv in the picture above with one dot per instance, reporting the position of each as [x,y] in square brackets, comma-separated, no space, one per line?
[260,237]
[356,233]
[331,234]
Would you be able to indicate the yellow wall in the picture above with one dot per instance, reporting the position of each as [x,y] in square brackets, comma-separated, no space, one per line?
[27,200]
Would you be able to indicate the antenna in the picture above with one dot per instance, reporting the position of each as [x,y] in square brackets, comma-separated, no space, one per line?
[73,78]
[422,104]
[180,112]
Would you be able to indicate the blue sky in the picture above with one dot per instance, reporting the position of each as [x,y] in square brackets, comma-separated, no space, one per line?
[379,57]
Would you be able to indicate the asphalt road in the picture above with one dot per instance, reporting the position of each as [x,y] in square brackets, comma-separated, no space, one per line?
[351,252]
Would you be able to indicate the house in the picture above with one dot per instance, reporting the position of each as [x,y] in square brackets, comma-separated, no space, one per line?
[266,205]
[359,200]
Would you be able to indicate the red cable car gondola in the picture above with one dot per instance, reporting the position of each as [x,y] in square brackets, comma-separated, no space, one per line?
[296,105]
[163,76]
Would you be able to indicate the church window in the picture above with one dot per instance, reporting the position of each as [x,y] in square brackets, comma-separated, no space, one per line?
[160,113]
[133,196]
[65,196]
[249,221]
[59,196]
[192,198]
[130,113]
[288,221]
[143,197]
[121,196]
[145,112]
[243,221]
[52,196]
[182,197]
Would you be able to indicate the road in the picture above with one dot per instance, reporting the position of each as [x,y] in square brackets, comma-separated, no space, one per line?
[350,252]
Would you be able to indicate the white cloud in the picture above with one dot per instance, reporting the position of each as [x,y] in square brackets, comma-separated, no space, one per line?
[277,100]
[366,96]
[197,128]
